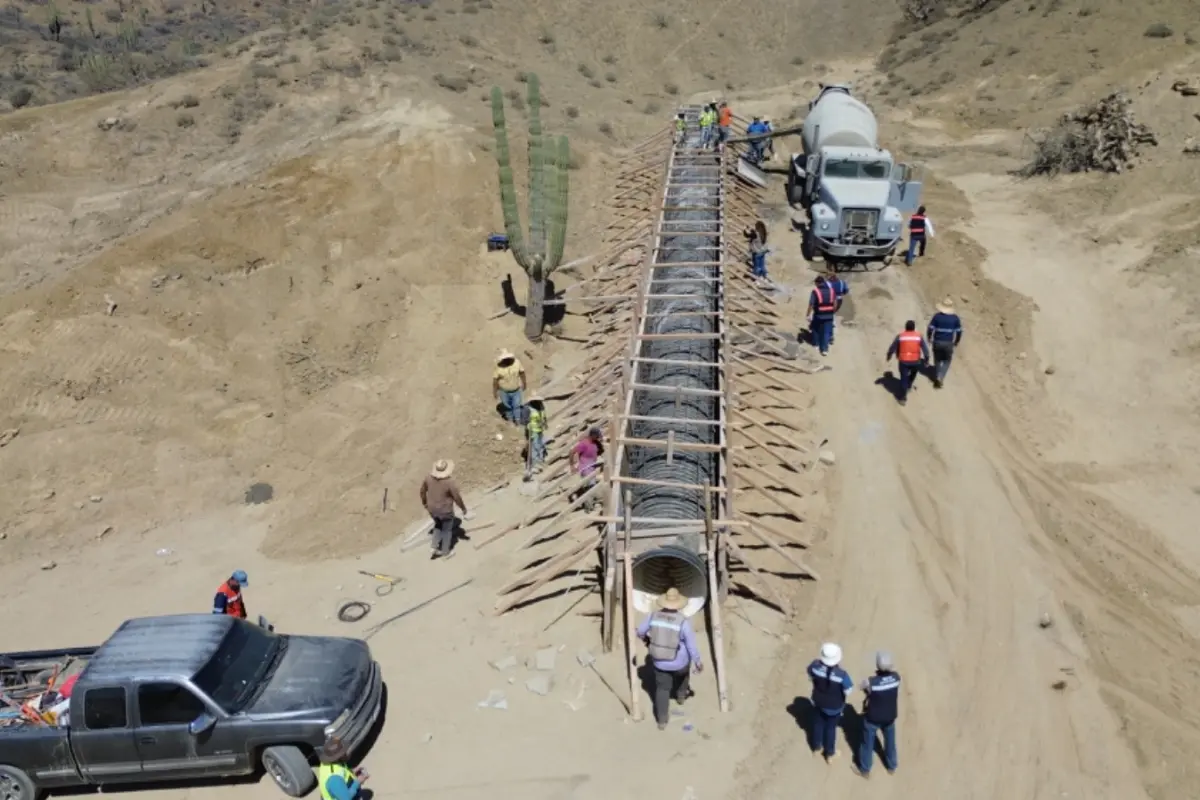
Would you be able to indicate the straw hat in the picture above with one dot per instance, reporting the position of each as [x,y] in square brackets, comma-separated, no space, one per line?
[535,398]
[946,306]
[444,468]
[503,355]
[831,654]
[672,600]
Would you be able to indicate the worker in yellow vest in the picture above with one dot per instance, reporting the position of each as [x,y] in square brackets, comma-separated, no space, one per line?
[535,432]
[335,779]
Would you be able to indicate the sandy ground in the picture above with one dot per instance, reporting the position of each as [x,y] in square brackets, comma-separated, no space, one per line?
[1052,475]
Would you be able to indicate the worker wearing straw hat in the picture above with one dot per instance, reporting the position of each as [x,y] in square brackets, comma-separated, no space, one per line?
[830,685]
[439,496]
[944,333]
[508,381]
[673,653]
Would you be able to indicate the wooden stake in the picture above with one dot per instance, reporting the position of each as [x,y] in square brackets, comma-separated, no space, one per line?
[771,496]
[762,580]
[579,555]
[750,422]
[791,538]
[769,542]
[765,374]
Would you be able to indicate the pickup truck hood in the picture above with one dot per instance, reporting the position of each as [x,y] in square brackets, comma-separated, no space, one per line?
[317,672]
[838,193]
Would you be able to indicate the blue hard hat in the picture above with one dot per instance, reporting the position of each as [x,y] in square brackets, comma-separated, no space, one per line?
[240,577]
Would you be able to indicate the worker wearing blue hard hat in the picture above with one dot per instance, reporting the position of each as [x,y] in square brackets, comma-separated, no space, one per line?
[228,599]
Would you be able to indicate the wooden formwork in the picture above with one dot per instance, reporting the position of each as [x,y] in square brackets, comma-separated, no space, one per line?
[756,445]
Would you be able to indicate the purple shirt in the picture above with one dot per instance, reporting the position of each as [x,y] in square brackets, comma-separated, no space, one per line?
[588,452]
[687,653]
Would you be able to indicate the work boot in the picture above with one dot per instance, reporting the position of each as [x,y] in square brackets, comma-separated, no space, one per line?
[662,726]
[832,757]
[862,773]
[937,383]
[903,401]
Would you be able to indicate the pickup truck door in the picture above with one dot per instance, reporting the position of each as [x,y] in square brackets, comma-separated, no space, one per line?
[167,747]
[102,736]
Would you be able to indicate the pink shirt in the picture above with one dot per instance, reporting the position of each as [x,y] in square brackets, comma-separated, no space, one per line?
[588,452]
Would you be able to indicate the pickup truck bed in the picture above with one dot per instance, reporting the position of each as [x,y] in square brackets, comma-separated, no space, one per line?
[28,682]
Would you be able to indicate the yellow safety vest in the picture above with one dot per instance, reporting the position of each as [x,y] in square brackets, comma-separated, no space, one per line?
[327,771]
[537,421]
[706,119]
[680,125]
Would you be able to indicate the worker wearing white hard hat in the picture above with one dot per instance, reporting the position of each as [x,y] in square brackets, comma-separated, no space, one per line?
[830,685]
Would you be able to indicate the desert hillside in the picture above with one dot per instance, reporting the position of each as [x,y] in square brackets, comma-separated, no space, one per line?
[244,243]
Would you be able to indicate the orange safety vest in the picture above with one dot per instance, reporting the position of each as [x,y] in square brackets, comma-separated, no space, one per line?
[726,117]
[910,347]
[916,224]
[234,607]
[826,298]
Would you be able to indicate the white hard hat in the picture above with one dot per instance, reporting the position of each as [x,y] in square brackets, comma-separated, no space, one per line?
[831,654]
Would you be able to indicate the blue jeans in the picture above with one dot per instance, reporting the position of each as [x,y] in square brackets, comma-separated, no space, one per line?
[866,753]
[908,374]
[822,332]
[537,448]
[758,264]
[824,731]
[915,242]
[511,403]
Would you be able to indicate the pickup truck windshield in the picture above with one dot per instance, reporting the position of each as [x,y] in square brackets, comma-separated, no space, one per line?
[238,666]
[844,168]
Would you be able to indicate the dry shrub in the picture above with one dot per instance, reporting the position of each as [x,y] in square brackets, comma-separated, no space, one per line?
[1102,137]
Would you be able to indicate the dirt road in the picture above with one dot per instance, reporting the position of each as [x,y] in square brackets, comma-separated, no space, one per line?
[950,539]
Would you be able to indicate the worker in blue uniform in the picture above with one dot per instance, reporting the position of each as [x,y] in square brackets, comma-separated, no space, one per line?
[945,333]
[880,709]
[822,305]
[842,289]
[758,147]
[830,685]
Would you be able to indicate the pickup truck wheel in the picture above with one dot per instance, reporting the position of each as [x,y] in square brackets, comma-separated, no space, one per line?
[289,768]
[16,785]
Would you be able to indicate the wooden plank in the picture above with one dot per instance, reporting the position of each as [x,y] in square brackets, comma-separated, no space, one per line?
[769,542]
[578,555]
[671,484]
[671,445]
[765,374]
[762,580]
[675,420]
[714,607]
[686,391]
[631,643]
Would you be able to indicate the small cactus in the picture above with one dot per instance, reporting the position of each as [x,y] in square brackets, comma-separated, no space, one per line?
[540,252]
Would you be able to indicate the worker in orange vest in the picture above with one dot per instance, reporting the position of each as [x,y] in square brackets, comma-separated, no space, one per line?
[229,596]
[910,352]
[724,125]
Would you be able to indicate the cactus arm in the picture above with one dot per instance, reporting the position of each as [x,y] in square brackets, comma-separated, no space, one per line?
[561,195]
[538,152]
[508,191]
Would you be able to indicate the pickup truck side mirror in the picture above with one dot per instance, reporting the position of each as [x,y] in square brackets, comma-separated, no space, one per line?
[202,724]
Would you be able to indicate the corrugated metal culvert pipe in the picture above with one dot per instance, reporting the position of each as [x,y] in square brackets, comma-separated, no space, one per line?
[678,564]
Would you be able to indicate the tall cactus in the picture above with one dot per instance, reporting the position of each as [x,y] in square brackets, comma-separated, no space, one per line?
[541,252]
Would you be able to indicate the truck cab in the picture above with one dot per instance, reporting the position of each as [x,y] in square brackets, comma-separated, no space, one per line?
[854,192]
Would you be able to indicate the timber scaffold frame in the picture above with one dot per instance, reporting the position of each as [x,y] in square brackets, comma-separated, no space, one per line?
[759,455]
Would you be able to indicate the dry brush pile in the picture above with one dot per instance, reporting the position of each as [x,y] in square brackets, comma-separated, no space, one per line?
[1102,137]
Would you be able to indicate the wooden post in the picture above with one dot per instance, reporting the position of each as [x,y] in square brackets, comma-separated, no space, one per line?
[714,606]
[630,641]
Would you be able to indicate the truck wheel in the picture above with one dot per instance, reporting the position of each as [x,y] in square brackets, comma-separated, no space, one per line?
[289,769]
[806,246]
[16,785]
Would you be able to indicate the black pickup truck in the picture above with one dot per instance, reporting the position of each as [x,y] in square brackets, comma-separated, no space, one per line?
[183,698]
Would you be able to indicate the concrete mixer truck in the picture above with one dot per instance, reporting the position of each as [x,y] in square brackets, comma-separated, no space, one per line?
[854,193]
